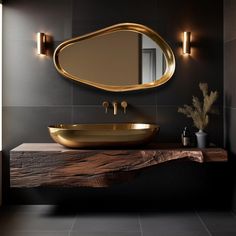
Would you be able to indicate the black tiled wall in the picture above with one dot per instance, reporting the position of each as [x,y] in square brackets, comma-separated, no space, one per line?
[230,86]
[35,95]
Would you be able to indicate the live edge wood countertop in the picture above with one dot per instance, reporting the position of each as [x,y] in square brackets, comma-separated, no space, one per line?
[50,164]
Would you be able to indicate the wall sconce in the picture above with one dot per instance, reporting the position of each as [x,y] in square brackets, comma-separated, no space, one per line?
[186,43]
[41,43]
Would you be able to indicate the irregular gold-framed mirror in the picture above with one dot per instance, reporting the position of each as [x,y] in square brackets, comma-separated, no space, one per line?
[122,57]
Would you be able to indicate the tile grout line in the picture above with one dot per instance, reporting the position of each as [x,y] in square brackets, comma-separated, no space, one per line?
[72,225]
[80,105]
[233,214]
[140,226]
[203,223]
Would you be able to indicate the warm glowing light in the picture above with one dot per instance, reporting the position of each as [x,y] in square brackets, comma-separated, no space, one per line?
[186,43]
[41,41]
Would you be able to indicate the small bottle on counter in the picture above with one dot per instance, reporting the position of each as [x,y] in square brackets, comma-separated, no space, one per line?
[185,136]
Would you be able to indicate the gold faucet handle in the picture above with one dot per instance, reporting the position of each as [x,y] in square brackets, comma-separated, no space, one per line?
[124,104]
[115,107]
[105,104]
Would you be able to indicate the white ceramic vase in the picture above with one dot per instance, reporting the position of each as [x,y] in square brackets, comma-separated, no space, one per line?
[201,139]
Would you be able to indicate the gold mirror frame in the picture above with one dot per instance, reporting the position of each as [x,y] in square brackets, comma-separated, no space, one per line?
[138,28]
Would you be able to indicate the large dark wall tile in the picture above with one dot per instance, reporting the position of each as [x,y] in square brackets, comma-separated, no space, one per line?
[172,124]
[229,22]
[205,62]
[23,18]
[29,124]
[230,130]
[83,95]
[29,79]
[229,73]
[32,80]
[96,114]
[91,15]
[185,83]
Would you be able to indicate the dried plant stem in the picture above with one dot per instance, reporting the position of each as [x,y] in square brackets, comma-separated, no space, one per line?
[198,112]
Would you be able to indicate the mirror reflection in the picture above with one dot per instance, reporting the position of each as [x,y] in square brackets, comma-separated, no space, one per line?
[119,58]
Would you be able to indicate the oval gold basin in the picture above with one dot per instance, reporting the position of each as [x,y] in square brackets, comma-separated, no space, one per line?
[99,135]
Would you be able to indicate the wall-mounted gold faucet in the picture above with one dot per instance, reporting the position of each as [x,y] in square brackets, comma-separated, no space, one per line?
[124,104]
[105,104]
[115,105]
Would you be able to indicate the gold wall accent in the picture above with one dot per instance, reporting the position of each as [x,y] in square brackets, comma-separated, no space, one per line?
[133,27]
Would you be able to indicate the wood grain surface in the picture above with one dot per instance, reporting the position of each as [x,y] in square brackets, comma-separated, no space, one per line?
[49,164]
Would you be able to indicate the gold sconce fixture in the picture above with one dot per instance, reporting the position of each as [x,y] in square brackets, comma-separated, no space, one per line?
[186,43]
[41,43]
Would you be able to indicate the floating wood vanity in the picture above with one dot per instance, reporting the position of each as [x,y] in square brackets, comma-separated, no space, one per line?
[50,164]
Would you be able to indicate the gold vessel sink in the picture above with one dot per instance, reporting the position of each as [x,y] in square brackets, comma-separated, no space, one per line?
[99,135]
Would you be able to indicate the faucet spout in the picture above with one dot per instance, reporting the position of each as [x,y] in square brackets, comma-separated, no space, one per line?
[115,106]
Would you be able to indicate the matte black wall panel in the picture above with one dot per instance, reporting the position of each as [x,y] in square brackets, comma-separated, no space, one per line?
[230,87]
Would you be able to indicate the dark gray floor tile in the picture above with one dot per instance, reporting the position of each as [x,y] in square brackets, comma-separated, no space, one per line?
[29,124]
[219,222]
[181,233]
[106,223]
[171,224]
[223,234]
[34,233]
[96,114]
[31,222]
[74,233]
[34,80]
[36,209]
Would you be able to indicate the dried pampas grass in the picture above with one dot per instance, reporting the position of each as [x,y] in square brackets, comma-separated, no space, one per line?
[199,110]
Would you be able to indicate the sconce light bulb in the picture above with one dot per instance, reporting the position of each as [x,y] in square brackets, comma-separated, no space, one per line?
[41,41]
[186,43]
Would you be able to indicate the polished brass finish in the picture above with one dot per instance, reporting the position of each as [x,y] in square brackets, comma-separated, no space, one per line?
[124,104]
[138,28]
[41,41]
[115,107]
[100,135]
[186,43]
[105,104]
